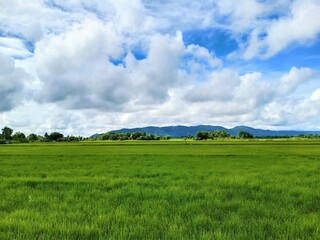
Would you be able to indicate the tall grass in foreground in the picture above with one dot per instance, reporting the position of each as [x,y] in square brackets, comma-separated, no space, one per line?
[165,190]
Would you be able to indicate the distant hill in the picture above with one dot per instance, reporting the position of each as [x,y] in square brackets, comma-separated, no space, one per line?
[182,131]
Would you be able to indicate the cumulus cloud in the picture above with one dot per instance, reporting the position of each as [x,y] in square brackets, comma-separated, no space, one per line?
[301,25]
[11,83]
[154,76]
[82,74]
[29,20]
[289,82]
[132,15]
[291,112]
[13,47]
[228,86]
[219,86]
[178,14]
[228,93]
[66,62]
[253,91]
[242,15]
[315,95]
[203,56]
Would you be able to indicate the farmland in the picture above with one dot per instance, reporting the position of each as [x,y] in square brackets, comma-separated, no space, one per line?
[161,190]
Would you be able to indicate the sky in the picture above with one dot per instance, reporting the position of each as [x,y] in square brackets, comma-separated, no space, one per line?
[89,66]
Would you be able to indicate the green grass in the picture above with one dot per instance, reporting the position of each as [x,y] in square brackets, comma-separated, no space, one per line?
[161,190]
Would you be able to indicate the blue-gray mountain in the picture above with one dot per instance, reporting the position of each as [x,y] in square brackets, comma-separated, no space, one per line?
[182,131]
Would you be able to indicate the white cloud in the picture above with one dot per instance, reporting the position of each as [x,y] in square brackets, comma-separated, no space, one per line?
[254,91]
[81,74]
[13,47]
[11,83]
[289,82]
[28,18]
[301,25]
[202,54]
[179,15]
[219,86]
[292,112]
[242,15]
[131,15]
[154,76]
[66,62]
[315,95]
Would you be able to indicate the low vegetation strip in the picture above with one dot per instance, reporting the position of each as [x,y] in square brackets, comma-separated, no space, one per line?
[8,135]
[160,190]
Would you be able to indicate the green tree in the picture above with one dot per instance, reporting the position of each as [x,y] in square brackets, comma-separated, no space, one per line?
[54,136]
[245,135]
[33,137]
[136,135]
[112,136]
[152,137]
[104,136]
[7,133]
[201,135]
[72,138]
[46,137]
[220,134]
[20,137]
[165,137]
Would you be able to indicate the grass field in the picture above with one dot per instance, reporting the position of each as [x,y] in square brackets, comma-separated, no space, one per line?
[161,190]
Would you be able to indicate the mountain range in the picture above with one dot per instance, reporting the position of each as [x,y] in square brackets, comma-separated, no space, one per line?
[182,131]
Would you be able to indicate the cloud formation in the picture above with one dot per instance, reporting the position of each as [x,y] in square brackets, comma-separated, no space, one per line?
[301,26]
[11,83]
[99,65]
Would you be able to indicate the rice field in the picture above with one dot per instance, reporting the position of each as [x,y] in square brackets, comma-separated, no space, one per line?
[161,190]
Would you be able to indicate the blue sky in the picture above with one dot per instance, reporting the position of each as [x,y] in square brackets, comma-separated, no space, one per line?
[219,41]
[82,67]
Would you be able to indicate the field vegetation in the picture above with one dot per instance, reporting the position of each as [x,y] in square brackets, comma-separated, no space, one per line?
[231,189]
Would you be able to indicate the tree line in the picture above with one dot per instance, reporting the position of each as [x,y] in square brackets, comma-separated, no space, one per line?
[310,136]
[131,136]
[201,135]
[7,135]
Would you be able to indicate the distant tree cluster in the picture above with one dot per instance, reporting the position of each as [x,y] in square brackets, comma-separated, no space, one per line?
[310,136]
[131,136]
[221,134]
[7,135]
[212,135]
[245,135]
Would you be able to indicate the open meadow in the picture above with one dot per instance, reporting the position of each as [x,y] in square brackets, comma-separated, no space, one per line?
[258,189]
